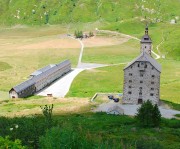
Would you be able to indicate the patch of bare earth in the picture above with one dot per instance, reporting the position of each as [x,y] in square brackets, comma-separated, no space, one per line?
[53,44]
[98,41]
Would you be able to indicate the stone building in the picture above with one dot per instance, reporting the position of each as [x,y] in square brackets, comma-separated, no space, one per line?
[142,76]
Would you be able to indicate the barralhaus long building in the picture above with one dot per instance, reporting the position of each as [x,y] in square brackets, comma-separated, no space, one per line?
[142,76]
[40,79]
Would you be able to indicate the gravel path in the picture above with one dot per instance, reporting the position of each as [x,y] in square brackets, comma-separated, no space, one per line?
[114,32]
[132,109]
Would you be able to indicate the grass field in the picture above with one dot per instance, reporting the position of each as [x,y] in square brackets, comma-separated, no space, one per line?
[166,32]
[24,50]
[110,79]
[121,53]
[87,83]
[31,106]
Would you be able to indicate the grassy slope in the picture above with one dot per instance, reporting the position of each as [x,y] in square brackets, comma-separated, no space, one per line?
[111,10]
[124,16]
[98,130]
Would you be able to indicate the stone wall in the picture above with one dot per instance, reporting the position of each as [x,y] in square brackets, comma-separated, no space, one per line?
[146,47]
[141,81]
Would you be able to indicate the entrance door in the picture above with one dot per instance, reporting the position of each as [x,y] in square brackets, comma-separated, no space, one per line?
[140,101]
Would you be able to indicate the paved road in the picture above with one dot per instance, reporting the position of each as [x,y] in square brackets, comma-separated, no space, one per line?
[61,87]
[132,109]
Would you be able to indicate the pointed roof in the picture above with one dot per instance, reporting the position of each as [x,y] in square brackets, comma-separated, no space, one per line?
[145,57]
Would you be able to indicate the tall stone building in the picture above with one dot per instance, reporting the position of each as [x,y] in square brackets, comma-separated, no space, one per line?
[142,76]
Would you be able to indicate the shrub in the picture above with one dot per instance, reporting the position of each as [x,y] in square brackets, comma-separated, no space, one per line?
[91,34]
[6,143]
[148,115]
[78,34]
[61,138]
[148,143]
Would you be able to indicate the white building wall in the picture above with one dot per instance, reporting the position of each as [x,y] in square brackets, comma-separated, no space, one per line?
[13,94]
[150,79]
[146,47]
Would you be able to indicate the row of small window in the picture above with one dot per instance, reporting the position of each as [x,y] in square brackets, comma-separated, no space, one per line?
[140,93]
[30,88]
[130,74]
[152,89]
[130,81]
[145,65]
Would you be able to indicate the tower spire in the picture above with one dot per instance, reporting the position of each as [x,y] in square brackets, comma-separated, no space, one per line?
[146,29]
[146,42]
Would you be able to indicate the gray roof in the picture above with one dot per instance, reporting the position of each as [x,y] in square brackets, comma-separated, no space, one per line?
[37,72]
[44,72]
[146,39]
[145,57]
[23,85]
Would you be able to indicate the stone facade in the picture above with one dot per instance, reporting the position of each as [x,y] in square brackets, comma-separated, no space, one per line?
[142,76]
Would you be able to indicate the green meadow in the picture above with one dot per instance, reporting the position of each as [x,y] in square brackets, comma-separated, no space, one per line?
[121,53]
[32,35]
[110,79]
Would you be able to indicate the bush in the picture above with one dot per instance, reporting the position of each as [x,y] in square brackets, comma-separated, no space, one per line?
[61,138]
[78,34]
[6,143]
[148,143]
[148,115]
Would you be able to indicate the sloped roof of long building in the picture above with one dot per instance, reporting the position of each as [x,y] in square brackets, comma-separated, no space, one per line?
[39,71]
[46,71]
[144,57]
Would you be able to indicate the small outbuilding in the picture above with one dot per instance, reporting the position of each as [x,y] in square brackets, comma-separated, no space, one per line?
[116,110]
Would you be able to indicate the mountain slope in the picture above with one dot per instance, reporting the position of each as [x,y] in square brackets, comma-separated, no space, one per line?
[126,16]
[65,11]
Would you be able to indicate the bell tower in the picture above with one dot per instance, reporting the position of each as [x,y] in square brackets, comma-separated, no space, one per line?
[146,42]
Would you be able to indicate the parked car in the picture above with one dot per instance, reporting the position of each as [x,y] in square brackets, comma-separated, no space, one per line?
[116,99]
[111,97]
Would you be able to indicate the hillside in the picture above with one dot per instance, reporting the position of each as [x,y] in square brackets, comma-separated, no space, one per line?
[128,17]
[56,11]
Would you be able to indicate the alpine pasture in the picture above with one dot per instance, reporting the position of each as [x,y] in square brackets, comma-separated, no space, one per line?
[34,34]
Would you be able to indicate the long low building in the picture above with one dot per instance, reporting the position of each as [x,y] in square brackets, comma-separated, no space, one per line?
[40,79]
